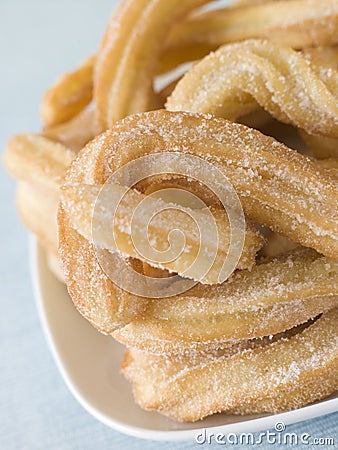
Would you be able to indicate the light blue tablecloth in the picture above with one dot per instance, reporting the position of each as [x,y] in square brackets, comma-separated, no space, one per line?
[41,39]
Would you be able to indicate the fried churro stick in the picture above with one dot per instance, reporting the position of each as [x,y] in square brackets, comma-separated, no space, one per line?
[320,147]
[326,59]
[72,92]
[75,133]
[115,232]
[40,165]
[231,81]
[287,374]
[37,160]
[301,26]
[96,297]
[278,187]
[298,23]
[127,61]
[38,209]
[271,298]
[306,23]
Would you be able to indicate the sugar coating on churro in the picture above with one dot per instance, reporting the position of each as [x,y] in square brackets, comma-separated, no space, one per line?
[146,263]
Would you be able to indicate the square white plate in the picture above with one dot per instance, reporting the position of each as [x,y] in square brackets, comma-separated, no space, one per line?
[89,364]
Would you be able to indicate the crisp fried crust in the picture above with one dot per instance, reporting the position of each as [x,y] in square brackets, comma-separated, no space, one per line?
[69,95]
[284,375]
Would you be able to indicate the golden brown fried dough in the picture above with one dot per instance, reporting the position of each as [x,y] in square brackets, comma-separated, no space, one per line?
[127,61]
[70,95]
[75,133]
[285,375]
[274,296]
[115,229]
[37,160]
[278,187]
[236,78]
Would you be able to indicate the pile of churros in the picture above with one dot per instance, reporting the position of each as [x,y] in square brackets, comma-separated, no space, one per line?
[185,222]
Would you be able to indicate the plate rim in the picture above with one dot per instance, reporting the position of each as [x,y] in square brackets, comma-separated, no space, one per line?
[248,426]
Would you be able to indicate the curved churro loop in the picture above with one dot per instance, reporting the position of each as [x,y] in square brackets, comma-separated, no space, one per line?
[298,23]
[116,229]
[40,165]
[284,375]
[229,82]
[277,186]
[76,132]
[69,95]
[38,210]
[128,58]
[37,160]
[96,297]
[326,60]
[305,24]
[271,298]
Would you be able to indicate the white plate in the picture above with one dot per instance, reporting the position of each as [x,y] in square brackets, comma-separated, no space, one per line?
[89,364]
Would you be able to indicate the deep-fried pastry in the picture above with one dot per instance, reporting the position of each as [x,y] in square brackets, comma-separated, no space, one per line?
[37,160]
[298,23]
[76,132]
[321,147]
[38,209]
[97,298]
[278,187]
[117,229]
[40,165]
[326,59]
[265,339]
[69,96]
[284,375]
[275,76]
[274,296]
[127,61]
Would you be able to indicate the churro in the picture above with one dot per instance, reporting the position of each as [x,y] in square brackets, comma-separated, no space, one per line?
[298,23]
[76,132]
[326,61]
[278,187]
[37,160]
[284,375]
[40,165]
[37,209]
[69,96]
[206,247]
[127,61]
[118,233]
[274,296]
[236,78]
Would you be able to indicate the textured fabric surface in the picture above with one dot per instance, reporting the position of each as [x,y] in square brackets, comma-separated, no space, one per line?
[41,39]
